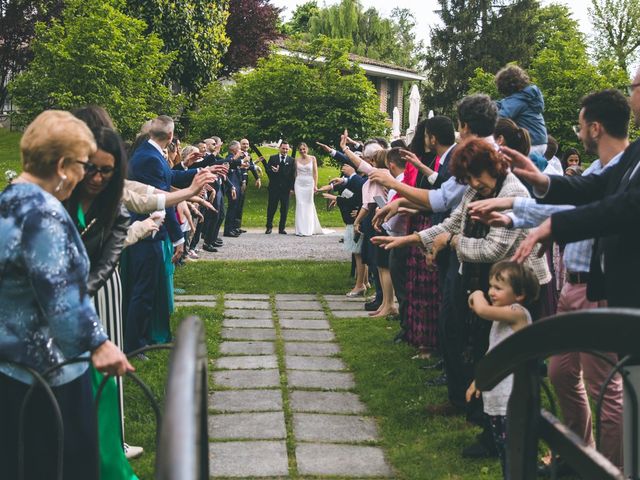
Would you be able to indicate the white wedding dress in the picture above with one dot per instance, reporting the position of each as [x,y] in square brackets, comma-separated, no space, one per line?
[307,222]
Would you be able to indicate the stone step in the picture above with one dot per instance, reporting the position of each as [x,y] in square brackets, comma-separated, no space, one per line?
[247,379]
[248,304]
[341,460]
[254,426]
[319,427]
[247,348]
[247,323]
[241,313]
[326,402]
[248,459]
[247,362]
[301,315]
[321,380]
[296,362]
[248,333]
[288,324]
[308,335]
[298,305]
[246,400]
[246,296]
[311,348]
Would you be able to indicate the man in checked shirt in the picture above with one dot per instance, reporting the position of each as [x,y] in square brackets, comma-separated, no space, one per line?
[603,129]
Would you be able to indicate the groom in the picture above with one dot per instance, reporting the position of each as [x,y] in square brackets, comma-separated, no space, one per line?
[281,172]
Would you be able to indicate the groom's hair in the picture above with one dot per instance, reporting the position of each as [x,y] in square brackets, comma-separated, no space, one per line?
[394,156]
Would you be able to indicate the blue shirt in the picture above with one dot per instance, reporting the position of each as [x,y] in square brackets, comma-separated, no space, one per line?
[46,316]
[527,214]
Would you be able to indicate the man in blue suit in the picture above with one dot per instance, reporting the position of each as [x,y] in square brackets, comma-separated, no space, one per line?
[147,283]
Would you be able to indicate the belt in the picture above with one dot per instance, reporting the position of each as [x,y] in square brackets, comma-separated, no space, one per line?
[576,278]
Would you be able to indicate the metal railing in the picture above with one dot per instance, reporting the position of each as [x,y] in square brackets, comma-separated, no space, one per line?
[183,449]
[185,409]
[593,331]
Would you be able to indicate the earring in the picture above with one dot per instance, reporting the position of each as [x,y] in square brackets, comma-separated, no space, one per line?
[61,184]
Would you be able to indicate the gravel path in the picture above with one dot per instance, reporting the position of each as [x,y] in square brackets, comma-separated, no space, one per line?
[256,245]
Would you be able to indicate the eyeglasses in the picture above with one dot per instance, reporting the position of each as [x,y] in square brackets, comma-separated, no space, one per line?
[632,87]
[90,170]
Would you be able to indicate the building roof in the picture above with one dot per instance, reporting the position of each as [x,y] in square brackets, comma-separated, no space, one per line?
[373,68]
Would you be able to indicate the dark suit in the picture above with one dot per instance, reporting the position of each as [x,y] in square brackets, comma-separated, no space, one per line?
[146,278]
[609,210]
[280,186]
[347,205]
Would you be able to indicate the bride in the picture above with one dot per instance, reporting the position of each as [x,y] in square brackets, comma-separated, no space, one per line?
[305,186]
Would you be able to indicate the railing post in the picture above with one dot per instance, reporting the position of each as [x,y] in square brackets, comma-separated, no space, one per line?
[522,427]
[631,424]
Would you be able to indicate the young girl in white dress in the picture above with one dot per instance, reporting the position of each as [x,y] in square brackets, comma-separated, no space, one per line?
[511,286]
[305,186]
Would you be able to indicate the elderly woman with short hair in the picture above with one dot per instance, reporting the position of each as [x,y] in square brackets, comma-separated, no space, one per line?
[478,164]
[47,316]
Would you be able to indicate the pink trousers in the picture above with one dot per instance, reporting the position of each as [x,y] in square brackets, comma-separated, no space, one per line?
[567,372]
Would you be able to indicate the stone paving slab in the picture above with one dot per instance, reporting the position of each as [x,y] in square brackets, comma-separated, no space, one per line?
[247,363]
[247,378]
[326,402]
[311,348]
[254,426]
[247,348]
[301,315]
[248,304]
[322,380]
[247,323]
[298,305]
[350,313]
[308,335]
[304,324]
[191,298]
[195,304]
[241,313]
[318,427]
[248,459]
[249,333]
[341,460]
[246,296]
[346,305]
[295,362]
[246,400]
[341,298]
[296,296]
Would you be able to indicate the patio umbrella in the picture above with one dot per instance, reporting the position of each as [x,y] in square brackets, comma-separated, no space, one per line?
[395,123]
[414,112]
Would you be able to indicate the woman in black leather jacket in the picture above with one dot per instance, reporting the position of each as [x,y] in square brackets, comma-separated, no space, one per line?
[95,206]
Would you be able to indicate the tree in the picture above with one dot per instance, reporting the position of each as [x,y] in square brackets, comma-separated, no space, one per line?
[387,39]
[287,97]
[195,29]
[563,72]
[476,34]
[17,28]
[299,22]
[251,28]
[617,30]
[95,55]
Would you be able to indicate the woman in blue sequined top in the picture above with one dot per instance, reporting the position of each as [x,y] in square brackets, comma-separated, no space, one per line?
[46,316]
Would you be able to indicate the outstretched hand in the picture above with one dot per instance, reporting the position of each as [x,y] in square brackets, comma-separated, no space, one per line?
[382,176]
[324,147]
[542,234]
[524,168]
[384,214]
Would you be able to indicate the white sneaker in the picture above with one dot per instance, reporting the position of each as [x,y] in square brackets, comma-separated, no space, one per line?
[131,451]
[193,255]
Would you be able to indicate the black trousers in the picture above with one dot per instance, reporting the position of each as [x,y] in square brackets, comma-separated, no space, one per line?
[80,459]
[398,269]
[281,197]
[453,331]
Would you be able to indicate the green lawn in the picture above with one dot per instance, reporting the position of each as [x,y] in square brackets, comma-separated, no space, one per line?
[418,445]
[9,152]
[255,208]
